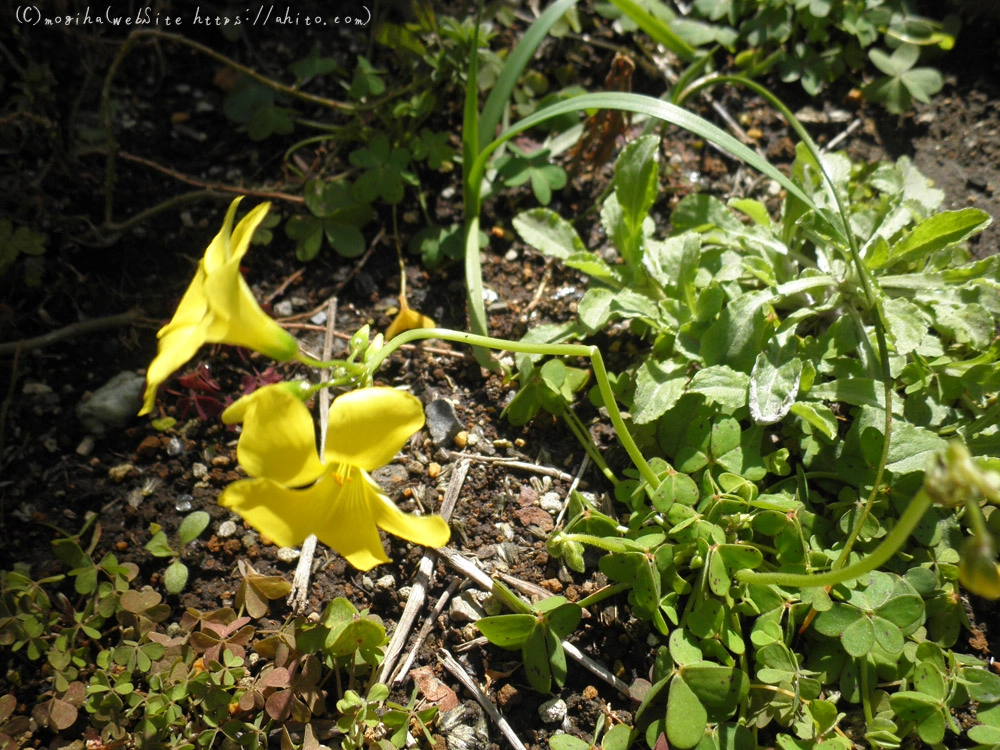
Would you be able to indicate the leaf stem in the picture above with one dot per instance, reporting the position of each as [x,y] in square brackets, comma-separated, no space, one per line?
[889,546]
[556,350]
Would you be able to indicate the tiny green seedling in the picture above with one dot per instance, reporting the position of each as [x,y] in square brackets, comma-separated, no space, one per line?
[176,575]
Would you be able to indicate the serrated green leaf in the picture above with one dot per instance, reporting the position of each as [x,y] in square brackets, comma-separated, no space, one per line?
[724,385]
[658,387]
[818,415]
[773,390]
[549,233]
[937,232]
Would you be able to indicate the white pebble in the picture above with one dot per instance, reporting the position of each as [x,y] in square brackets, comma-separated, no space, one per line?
[553,711]
[287,554]
[551,502]
[226,528]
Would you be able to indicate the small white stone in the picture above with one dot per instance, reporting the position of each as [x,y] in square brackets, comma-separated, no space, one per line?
[287,554]
[86,446]
[385,583]
[226,528]
[284,308]
[199,470]
[462,610]
[553,711]
[551,502]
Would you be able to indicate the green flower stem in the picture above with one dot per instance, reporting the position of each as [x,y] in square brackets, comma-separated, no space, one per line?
[583,435]
[841,225]
[602,594]
[554,350]
[353,369]
[889,546]
[865,690]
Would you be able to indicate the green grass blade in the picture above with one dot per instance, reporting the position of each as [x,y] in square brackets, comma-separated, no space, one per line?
[470,126]
[516,62]
[647,105]
[658,30]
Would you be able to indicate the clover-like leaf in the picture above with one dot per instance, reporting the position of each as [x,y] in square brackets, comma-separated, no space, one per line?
[385,170]
[903,82]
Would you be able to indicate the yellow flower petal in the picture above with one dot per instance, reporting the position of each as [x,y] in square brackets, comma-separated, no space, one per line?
[427,531]
[367,427]
[406,320]
[278,440]
[219,308]
[238,320]
[335,509]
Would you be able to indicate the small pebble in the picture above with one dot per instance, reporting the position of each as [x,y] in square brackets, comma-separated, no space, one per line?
[199,470]
[442,421]
[86,446]
[461,439]
[149,447]
[175,447]
[114,404]
[283,309]
[319,318]
[35,389]
[385,583]
[287,554]
[462,610]
[508,696]
[118,473]
[433,469]
[553,711]
[226,529]
[551,502]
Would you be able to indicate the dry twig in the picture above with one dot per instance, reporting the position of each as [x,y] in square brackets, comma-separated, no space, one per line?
[448,662]
[425,576]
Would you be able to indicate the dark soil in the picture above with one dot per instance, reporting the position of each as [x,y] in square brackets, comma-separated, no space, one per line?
[54,473]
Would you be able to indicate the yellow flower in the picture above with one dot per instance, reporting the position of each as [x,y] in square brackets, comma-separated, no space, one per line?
[406,320]
[294,492]
[219,308]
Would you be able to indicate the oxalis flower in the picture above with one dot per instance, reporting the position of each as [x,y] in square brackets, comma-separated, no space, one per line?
[219,308]
[294,492]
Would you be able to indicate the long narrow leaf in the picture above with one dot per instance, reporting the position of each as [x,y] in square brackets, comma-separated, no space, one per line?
[647,105]
[516,62]
[658,30]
